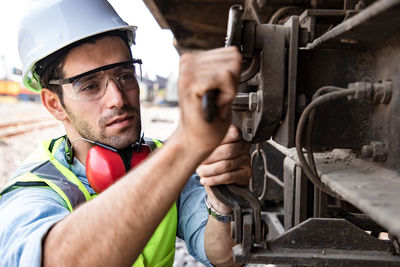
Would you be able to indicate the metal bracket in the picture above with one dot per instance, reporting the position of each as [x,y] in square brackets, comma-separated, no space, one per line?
[333,242]
[248,227]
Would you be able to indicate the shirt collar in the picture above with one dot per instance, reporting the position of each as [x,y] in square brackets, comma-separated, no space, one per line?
[76,167]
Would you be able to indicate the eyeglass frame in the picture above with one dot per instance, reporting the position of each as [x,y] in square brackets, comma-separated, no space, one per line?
[102,68]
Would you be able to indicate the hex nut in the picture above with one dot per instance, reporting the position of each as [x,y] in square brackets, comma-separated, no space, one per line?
[382,92]
[388,88]
[379,151]
[378,92]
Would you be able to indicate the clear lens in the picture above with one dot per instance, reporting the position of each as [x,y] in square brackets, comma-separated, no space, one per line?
[94,86]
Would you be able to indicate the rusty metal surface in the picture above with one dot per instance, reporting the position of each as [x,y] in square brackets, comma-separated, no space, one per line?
[197,24]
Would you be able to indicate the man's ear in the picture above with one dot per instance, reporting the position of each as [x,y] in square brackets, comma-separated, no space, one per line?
[53,104]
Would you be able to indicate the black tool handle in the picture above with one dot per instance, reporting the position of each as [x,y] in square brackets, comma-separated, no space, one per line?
[210,108]
[209,101]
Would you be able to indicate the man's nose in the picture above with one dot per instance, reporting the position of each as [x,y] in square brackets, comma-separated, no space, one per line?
[114,96]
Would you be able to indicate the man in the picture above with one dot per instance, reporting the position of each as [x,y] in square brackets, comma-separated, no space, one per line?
[77,54]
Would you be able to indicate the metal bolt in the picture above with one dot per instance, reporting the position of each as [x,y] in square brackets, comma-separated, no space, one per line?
[382,92]
[241,102]
[376,150]
[380,153]
[253,101]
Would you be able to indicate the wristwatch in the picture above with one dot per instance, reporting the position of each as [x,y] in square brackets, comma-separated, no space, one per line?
[216,214]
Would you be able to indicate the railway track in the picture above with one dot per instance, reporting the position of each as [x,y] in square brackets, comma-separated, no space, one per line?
[15,128]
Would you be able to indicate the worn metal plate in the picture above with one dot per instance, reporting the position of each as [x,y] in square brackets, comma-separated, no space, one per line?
[286,131]
[329,242]
[369,187]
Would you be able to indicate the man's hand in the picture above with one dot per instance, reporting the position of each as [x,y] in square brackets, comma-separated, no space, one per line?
[229,163]
[199,73]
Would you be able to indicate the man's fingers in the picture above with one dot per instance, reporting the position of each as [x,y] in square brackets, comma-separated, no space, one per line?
[199,73]
[223,166]
[233,135]
[240,177]
[215,56]
[228,151]
[215,69]
[225,80]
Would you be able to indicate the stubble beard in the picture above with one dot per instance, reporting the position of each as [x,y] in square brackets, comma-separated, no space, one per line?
[120,141]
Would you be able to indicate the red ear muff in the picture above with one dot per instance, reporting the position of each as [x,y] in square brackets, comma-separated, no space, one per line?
[103,168]
[139,156]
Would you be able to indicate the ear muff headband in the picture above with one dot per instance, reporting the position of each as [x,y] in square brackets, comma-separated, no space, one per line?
[69,152]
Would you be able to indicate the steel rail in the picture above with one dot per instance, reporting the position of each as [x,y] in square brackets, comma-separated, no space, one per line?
[11,129]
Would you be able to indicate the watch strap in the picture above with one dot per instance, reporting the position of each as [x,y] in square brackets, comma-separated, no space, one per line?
[221,217]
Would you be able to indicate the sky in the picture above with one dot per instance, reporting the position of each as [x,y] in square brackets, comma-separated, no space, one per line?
[153,44]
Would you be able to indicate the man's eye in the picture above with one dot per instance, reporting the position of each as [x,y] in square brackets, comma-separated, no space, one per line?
[127,77]
[89,88]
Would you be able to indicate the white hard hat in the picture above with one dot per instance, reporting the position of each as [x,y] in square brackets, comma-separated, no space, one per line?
[50,25]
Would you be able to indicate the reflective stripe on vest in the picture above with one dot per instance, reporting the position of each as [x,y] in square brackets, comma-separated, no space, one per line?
[42,169]
[47,174]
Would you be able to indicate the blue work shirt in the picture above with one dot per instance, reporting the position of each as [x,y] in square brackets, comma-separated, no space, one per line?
[27,214]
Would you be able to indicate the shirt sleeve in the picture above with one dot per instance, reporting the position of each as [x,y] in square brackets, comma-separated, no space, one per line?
[26,215]
[192,218]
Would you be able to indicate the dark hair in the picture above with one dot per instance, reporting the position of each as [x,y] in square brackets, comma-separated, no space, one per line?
[52,66]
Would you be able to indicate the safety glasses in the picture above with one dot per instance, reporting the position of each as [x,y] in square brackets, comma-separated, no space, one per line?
[92,85]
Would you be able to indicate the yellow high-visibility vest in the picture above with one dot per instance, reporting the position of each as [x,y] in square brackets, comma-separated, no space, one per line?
[42,169]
